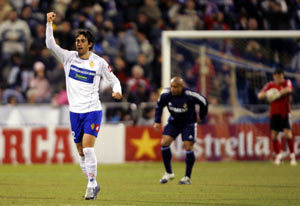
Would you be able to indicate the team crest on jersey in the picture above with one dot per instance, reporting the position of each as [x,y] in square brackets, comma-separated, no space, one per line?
[92,64]
[184,105]
[93,126]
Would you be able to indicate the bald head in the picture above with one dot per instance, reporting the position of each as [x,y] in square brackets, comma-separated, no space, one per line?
[177,85]
[178,80]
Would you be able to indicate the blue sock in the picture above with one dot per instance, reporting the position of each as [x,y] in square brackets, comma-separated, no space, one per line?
[189,160]
[167,156]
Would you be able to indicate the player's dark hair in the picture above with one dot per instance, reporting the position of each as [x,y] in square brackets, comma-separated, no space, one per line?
[87,34]
[278,71]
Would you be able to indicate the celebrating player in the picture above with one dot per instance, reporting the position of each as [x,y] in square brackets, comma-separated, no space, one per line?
[183,120]
[280,113]
[83,70]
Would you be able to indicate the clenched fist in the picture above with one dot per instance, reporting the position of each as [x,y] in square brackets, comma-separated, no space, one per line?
[116,95]
[50,17]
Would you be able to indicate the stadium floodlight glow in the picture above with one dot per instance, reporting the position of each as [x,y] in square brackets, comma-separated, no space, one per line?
[167,36]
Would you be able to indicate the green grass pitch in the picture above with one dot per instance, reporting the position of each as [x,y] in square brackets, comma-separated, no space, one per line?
[213,183]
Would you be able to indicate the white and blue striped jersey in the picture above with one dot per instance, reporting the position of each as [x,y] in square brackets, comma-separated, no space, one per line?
[82,76]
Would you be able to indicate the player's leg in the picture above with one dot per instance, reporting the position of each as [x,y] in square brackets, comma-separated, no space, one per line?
[88,143]
[81,159]
[286,122]
[91,128]
[166,152]
[277,146]
[189,161]
[77,133]
[290,140]
[188,136]
[276,127]
[167,157]
[170,131]
[90,158]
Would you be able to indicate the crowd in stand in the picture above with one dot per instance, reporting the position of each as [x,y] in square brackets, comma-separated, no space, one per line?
[128,35]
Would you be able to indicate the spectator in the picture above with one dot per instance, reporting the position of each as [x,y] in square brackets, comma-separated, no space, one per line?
[65,35]
[61,97]
[15,35]
[110,43]
[188,19]
[40,90]
[57,77]
[129,44]
[147,117]
[137,77]
[12,96]
[151,10]
[5,8]
[140,94]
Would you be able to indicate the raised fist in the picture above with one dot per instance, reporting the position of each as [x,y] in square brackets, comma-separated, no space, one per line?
[50,17]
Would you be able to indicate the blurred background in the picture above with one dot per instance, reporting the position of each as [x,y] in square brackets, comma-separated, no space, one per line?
[229,72]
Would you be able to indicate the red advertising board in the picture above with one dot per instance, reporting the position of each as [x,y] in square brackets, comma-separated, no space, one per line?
[142,143]
[213,143]
[14,146]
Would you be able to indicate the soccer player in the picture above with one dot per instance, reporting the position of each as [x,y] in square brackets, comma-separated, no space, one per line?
[83,70]
[183,120]
[280,109]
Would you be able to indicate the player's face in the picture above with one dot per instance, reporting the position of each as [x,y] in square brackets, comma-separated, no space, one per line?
[176,88]
[82,45]
[278,78]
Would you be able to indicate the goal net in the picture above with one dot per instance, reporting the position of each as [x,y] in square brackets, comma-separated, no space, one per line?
[230,68]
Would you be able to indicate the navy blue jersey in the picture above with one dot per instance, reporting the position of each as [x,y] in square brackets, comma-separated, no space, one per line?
[181,108]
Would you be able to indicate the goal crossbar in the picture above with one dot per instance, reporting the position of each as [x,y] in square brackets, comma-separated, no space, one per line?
[168,35]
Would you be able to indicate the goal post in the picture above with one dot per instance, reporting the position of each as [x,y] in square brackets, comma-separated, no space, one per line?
[168,36]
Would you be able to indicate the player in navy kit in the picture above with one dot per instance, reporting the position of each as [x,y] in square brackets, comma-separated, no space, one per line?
[181,103]
[83,70]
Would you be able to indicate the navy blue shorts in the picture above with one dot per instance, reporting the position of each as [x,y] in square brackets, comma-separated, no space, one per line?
[82,123]
[188,132]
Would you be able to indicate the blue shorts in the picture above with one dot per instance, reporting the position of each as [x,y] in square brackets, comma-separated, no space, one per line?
[188,132]
[82,123]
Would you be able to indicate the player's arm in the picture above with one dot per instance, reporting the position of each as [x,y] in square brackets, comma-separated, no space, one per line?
[161,103]
[62,54]
[202,101]
[262,93]
[113,81]
[287,90]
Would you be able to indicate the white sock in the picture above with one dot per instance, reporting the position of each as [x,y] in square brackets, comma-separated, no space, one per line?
[293,156]
[82,166]
[91,165]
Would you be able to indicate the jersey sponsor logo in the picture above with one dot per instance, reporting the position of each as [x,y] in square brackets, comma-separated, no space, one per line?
[177,109]
[80,74]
